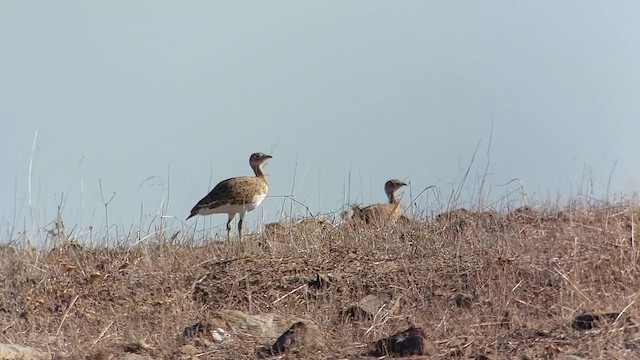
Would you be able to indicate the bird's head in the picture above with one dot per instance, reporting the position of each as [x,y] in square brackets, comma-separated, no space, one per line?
[258,158]
[392,185]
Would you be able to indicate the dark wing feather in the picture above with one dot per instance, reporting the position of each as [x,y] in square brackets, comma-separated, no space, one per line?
[227,192]
[214,197]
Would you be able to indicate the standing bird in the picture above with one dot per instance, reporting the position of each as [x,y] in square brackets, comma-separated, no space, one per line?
[381,214]
[237,195]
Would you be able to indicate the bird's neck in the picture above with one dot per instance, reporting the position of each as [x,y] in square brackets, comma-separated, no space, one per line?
[257,169]
[392,197]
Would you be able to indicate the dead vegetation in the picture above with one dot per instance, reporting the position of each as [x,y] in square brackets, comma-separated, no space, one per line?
[531,284]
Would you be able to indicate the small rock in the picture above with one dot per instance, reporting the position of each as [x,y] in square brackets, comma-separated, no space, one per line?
[457,342]
[131,356]
[298,336]
[588,321]
[482,357]
[506,320]
[198,329]
[412,341]
[463,300]
[189,350]
[15,351]
[200,295]
[219,335]
[366,308]
[569,357]
[457,353]
[458,348]
[321,282]
[202,343]
[262,328]
[138,347]
[585,321]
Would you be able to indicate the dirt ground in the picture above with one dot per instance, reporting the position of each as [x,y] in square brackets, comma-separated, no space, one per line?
[479,285]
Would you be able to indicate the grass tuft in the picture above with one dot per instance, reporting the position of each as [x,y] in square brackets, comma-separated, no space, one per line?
[505,285]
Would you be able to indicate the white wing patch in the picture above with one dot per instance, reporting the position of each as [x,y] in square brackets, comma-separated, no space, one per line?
[257,200]
[234,209]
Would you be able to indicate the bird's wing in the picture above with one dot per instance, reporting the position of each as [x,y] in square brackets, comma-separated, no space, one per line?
[378,212]
[234,191]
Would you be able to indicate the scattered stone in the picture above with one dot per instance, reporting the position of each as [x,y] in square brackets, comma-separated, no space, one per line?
[220,335]
[553,282]
[457,352]
[457,342]
[569,357]
[202,343]
[15,351]
[263,329]
[463,300]
[200,294]
[585,321]
[482,357]
[458,347]
[321,282]
[198,329]
[138,347]
[203,335]
[506,320]
[189,350]
[131,356]
[298,338]
[412,341]
[366,308]
[588,321]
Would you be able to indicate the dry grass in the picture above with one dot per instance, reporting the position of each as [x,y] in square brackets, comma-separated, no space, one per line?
[505,286]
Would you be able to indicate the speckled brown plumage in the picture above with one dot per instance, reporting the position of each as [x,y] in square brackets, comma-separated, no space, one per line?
[381,214]
[237,195]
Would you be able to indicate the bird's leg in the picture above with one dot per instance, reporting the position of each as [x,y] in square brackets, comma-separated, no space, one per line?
[229,227]
[240,221]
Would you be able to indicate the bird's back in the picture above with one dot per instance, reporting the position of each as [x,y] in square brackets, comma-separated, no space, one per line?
[238,191]
[378,214]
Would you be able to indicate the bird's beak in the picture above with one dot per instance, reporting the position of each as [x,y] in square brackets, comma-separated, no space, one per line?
[268,156]
[403,184]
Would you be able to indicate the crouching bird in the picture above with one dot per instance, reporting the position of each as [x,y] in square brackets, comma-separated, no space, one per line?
[381,214]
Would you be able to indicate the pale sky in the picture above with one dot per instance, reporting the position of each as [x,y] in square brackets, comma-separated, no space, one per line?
[184,92]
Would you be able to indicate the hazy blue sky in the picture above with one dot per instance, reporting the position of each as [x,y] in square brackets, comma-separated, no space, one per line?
[120,91]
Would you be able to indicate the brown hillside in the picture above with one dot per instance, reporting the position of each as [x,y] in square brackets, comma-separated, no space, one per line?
[476,284]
